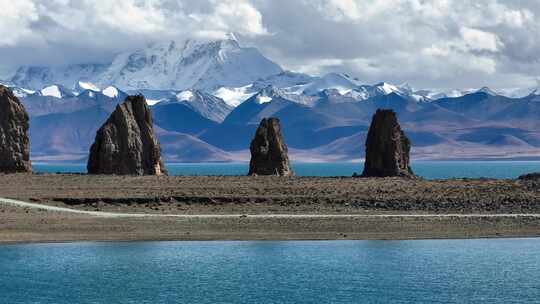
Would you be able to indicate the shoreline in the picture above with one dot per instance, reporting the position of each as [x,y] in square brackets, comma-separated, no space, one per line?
[98,241]
[199,208]
[39,226]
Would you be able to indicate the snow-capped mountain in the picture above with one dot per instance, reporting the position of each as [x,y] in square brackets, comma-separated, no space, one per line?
[520,92]
[208,106]
[57,91]
[83,86]
[235,96]
[341,82]
[305,89]
[439,94]
[162,66]
[20,92]
[285,79]
[36,78]
[291,82]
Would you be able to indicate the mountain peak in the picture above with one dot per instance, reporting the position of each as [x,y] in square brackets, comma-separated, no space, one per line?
[387,88]
[232,37]
[55,90]
[487,91]
[83,86]
[186,95]
[170,65]
[535,92]
[341,82]
[268,94]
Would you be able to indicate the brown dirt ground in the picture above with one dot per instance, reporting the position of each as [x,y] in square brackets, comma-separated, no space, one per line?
[263,195]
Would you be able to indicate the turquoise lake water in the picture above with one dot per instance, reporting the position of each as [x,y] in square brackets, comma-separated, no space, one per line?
[426,169]
[433,271]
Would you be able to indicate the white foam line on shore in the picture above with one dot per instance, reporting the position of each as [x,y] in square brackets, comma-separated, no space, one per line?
[17,203]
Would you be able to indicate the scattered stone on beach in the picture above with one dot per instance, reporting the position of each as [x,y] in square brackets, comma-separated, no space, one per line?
[269,151]
[530,176]
[14,141]
[387,147]
[531,181]
[126,143]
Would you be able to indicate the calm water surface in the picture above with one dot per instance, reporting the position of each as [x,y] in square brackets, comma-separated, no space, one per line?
[426,169]
[435,271]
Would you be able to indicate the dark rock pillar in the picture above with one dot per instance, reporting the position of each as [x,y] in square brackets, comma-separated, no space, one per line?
[14,140]
[126,143]
[387,147]
[269,151]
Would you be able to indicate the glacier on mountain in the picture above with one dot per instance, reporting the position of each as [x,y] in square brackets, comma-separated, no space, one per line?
[162,66]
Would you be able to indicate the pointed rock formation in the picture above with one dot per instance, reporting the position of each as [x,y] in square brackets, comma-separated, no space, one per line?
[387,147]
[269,151]
[14,141]
[126,143]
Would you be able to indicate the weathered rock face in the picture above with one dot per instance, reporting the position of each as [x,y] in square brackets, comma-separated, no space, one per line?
[387,147]
[269,151]
[126,143]
[14,142]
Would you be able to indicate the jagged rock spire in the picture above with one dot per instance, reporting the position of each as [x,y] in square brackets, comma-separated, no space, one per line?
[126,143]
[387,147]
[269,151]
[14,140]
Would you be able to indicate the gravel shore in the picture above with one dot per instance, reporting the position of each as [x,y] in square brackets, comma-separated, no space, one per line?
[355,198]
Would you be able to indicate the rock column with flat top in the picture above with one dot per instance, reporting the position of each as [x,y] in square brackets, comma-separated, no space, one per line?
[387,147]
[14,140]
[269,151]
[126,144]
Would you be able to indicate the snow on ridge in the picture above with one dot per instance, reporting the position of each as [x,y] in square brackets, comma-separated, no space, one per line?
[234,96]
[53,91]
[261,99]
[111,92]
[152,102]
[387,88]
[341,82]
[487,91]
[185,96]
[21,92]
[88,86]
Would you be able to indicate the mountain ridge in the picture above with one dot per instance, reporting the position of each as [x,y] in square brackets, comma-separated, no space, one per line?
[208,109]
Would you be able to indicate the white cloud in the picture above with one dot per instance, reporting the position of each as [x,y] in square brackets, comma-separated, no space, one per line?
[15,20]
[426,43]
[237,16]
[353,10]
[480,40]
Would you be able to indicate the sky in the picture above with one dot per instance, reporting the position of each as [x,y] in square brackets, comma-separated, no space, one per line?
[428,44]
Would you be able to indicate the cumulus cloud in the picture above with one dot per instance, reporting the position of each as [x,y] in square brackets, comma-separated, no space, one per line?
[66,31]
[444,43]
[478,40]
[15,20]
[232,16]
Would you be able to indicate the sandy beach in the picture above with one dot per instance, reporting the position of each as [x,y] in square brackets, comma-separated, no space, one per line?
[263,208]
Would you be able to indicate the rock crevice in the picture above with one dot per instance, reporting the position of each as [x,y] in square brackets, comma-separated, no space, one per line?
[126,144]
[14,140]
[387,147]
[269,153]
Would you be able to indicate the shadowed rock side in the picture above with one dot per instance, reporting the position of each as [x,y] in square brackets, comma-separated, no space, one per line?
[126,143]
[269,151]
[387,147]
[14,142]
